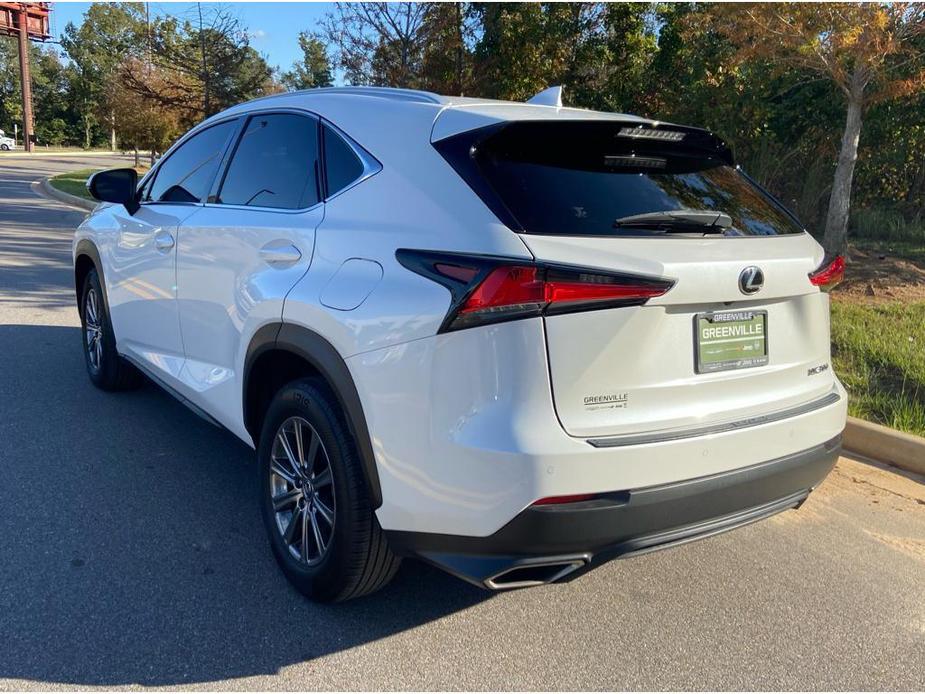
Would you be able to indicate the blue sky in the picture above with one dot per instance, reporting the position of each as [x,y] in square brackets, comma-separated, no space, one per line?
[273,26]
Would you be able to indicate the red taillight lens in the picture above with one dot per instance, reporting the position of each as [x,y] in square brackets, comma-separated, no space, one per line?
[507,287]
[829,274]
[521,291]
[490,290]
[589,288]
[569,499]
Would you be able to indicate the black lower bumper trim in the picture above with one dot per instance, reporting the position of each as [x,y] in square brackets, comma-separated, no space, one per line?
[631,521]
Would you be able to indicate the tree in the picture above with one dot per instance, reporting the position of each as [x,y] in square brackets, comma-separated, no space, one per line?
[868,51]
[10,99]
[524,47]
[109,33]
[378,43]
[314,70]
[613,50]
[209,61]
[50,92]
[446,61]
[144,123]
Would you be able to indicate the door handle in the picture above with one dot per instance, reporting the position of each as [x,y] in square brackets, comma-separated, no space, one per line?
[163,241]
[280,253]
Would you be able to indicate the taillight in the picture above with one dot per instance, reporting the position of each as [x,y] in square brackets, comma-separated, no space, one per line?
[488,289]
[829,274]
[568,499]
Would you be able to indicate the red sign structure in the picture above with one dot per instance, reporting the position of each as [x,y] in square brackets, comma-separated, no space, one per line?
[25,20]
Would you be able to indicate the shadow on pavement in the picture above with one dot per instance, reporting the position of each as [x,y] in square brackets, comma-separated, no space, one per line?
[131,544]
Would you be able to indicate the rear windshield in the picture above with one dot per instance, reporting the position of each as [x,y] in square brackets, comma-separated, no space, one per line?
[579,178]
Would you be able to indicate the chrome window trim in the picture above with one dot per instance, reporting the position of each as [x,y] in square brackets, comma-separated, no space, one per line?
[676,434]
[371,165]
[255,208]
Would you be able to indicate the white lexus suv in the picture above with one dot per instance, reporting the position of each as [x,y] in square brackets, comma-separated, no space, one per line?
[512,340]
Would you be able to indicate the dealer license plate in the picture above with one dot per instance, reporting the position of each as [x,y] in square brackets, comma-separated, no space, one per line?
[730,340]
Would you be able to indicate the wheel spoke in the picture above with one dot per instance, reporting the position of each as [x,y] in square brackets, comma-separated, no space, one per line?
[294,465]
[299,449]
[317,532]
[322,479]
[91,309]
[283,501]
[289,534]
[277,469]
[312,452]
[305,537]
[326,512]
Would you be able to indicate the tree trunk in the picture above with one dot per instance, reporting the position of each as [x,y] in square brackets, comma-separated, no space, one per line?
[459,50]
[206,105]
[836,221]
[112,132]
[87,142]
[137,159]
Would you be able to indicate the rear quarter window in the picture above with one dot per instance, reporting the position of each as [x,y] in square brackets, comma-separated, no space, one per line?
[342,165]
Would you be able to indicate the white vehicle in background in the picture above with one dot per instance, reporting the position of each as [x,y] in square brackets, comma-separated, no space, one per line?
[513,340]
[6,143]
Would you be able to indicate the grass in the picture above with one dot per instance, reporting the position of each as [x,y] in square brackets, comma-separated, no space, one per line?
[878,352]
[889,231]
[75,182]
[909,250]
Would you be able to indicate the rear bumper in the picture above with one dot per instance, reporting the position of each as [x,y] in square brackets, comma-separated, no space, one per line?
[543,544]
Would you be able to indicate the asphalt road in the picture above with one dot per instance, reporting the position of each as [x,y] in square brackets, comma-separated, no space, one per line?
[132,554]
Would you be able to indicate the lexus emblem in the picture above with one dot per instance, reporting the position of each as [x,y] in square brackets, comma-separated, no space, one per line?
[751,279]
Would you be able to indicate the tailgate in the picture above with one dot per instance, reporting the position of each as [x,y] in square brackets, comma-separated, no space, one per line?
[634,370]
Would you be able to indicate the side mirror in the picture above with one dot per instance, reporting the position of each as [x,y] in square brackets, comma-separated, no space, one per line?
[115,185]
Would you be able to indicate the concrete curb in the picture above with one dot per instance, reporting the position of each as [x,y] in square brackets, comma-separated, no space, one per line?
[885,445]
[20,154]
[50,191]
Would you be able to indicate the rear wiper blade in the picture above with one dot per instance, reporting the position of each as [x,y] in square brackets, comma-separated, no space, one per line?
[704,221]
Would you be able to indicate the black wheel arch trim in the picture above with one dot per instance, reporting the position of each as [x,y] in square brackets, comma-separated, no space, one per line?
[88,249]
[322,355]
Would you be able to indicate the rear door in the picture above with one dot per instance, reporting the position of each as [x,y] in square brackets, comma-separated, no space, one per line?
[742,333]
[241,253]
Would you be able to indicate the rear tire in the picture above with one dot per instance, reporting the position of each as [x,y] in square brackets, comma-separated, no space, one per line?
[107,370]
[5,148]
[308,477]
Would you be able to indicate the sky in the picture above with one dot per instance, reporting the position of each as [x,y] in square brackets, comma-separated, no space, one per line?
[273,26]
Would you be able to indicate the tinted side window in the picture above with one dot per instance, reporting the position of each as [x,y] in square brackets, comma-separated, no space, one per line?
[186,175]
[275,164]
[342,166]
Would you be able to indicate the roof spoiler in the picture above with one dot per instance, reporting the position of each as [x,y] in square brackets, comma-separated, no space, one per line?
[548,97]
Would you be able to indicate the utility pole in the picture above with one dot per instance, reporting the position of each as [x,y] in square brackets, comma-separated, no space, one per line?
[26,78]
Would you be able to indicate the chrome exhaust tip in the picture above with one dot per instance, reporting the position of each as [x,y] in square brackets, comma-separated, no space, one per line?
[536,572]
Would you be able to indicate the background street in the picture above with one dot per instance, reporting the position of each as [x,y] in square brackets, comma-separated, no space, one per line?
[132,553]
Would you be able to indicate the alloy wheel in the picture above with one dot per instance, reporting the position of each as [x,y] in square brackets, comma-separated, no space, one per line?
[93,330]
[302,491]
